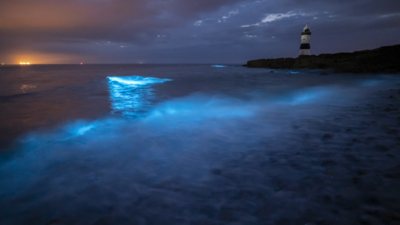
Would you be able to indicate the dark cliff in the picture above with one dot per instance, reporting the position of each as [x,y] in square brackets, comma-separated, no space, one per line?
[381,60]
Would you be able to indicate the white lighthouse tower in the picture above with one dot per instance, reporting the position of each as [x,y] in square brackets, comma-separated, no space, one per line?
[305,41]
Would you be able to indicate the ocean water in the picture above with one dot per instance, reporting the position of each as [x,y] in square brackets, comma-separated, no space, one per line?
[197,144]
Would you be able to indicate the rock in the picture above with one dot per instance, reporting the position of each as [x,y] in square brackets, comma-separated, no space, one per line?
[381,60]
[356,180]
[392,175]
[330,173]
[228,215]
[382,148]
[327,199]
[323,222]
[372,200]
[390,156]
[392,132]
[369,220]
[210,210]
[105,220]
[390,215]
[324,74]
[216,171]
[327,136]
[352,158]
[53,222]
[362,172]
[326,163]
[388,109]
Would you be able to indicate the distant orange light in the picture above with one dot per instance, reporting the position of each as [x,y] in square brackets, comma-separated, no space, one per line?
[27,63]
[81,63]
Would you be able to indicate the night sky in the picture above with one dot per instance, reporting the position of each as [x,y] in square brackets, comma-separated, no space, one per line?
[182,31]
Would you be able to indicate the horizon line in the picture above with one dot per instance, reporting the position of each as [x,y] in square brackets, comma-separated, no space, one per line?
[31,64]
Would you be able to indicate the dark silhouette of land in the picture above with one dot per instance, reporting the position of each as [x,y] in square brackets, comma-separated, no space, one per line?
[381,60]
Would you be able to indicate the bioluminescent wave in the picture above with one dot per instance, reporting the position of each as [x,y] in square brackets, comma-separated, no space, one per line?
[132,95]
[309,96]
[371,82]
[77,129]
[137,80]
[199,107]
[218,66]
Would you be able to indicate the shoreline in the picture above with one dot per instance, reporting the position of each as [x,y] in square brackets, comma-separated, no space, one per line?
[381,60]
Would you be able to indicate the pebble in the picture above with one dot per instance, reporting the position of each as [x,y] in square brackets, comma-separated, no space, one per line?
[327,136]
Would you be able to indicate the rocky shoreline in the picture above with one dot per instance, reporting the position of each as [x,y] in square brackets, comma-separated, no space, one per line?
[381,60]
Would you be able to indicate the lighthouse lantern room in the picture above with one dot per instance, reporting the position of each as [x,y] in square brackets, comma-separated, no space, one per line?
[305,41]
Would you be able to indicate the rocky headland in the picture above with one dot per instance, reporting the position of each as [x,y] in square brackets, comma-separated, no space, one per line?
[381,60]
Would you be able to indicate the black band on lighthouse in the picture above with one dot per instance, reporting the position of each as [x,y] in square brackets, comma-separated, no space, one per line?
[305,46]
[306,33]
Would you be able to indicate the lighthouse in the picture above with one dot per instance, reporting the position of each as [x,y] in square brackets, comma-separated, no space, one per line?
[305,41]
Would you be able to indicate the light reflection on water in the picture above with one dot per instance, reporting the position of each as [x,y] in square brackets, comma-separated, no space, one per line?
[132,95]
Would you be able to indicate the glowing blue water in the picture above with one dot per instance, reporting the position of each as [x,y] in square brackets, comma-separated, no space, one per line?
[132,95]
[218,66]
[371,82]
[137,81]
[82,130]
[199,107]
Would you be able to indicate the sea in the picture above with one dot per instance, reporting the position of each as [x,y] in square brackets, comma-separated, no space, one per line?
[197,144]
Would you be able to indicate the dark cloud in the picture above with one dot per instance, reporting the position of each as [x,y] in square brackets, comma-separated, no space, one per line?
[174,31]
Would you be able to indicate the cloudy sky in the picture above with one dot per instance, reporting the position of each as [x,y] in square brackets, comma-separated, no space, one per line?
[189,31]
